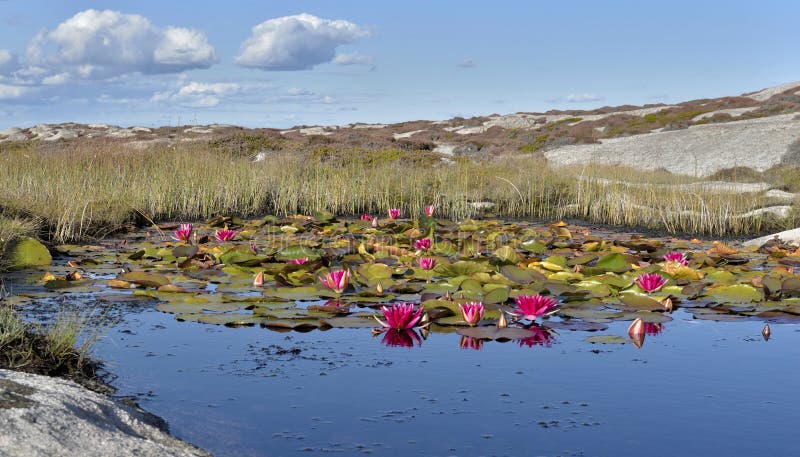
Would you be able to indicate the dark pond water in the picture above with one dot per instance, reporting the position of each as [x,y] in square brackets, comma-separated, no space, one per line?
[699,387]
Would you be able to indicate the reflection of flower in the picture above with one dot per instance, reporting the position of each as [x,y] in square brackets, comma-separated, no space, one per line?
[184,232]
[653,329]
[394,213]
[541,337]
[336,281]
[678,257]
[299,261]
[400,316]
[422,244]
[533,306]
[427,263]
[471,312]
[468,342]
[650,282]
[636,331]
[401,338]
[225,235]
[429,210]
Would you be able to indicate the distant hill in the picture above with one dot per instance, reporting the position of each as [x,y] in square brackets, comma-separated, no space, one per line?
[698,137]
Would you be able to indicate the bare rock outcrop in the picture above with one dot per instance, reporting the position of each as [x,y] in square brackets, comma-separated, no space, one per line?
[43,416]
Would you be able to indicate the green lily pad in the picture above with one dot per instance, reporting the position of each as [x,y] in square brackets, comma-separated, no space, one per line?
[614,262]
[606,339]
[145,279]
[738,293]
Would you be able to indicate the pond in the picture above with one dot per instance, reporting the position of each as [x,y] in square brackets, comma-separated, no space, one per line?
[704,380]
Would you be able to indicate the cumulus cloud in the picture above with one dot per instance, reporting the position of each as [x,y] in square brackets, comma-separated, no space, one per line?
[196,94]
[296,42]
[352,59]
[581,98]
[101,44]
[8,61]
[9,92]
[56,79]
[466,63]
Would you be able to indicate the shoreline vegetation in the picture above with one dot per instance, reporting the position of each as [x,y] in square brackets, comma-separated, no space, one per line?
[78,190]
[60,348]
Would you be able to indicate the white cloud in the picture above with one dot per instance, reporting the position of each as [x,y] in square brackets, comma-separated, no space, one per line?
[195,94]
[101,44]
[8,61]
[9,92]
[582,98]
[296,42]
[54,80]
[352,59]
[327,99]
[299,92]
[466,63]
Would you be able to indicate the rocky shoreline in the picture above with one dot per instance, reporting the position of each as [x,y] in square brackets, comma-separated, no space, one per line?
[44,416]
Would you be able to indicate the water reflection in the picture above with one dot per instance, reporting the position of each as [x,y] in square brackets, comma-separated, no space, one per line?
[542,336]
[639,329]
[468,342]
[401,338]
[653,329]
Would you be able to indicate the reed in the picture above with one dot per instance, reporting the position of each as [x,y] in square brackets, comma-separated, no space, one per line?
[86,189]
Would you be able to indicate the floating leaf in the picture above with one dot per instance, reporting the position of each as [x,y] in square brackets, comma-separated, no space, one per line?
[606,339]
[739,293]
[614,262]
[494,333]
[640,301]
[507,255]
[145,279]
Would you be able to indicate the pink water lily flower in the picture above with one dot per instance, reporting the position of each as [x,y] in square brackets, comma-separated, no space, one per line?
[365,217]
[400,316]
[394,213]
[650,282]
[427,263]
[468,342]
[336,281]
[533,306]
[429,210]
[299,261]
[405,338]
[679,257]
[422,244]
[225,235]
[184,232]
[471,312]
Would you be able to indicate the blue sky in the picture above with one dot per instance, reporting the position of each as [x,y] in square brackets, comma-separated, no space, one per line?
[283,63]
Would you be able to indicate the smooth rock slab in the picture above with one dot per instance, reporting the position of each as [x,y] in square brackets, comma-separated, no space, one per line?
[43,416]
[789,237]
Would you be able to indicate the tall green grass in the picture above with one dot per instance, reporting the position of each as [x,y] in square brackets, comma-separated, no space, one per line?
[87,189]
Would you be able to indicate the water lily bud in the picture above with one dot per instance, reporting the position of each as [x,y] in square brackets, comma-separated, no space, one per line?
[502,323]
[259,279]
[765,332]
[667,304]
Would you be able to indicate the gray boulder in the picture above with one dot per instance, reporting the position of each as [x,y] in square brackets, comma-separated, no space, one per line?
[43,416]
